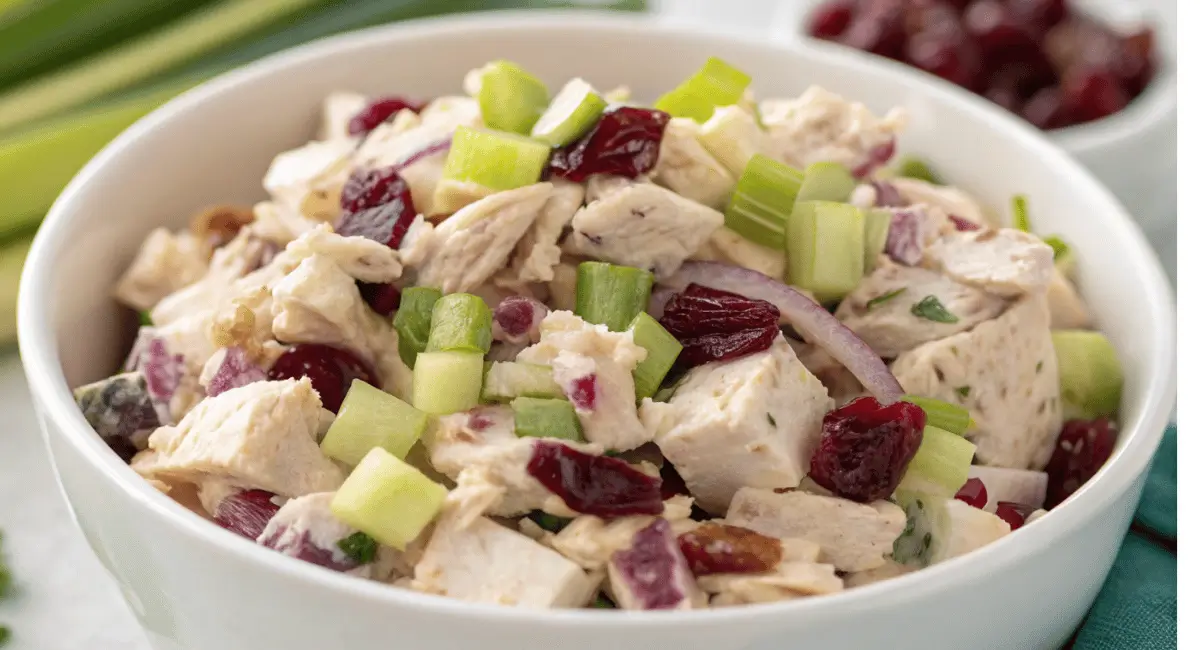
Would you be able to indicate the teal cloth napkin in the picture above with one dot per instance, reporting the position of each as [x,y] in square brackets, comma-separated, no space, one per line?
[1136,609]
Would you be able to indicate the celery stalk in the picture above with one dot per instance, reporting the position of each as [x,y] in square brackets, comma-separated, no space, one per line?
[41,161]
[141,58]
[12,259]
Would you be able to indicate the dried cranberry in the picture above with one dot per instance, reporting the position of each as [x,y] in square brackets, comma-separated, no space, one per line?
[1081,450]
[720,548]
[514,315]
[995,28]
[876,158]
[878,28]
[829,20]
[595,485]
[1137,60]
[1045,109]
[236,369]
[246,513]
[886,195]
[952,58]
[652,571]
[1092,93]
[377,112]
[331,370]
[963,225]
[624,142]
[377,204]
[973,493]
[865,448]
[383,299]
[583,393]
[1013,513]
[716,325]
[1006,96]
[1039,14]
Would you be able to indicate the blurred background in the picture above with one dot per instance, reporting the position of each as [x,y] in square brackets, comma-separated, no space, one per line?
[75,73]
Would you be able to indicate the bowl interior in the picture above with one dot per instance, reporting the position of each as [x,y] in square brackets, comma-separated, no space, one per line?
[213,146]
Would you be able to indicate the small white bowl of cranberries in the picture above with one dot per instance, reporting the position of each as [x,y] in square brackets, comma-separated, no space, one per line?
[1096,75]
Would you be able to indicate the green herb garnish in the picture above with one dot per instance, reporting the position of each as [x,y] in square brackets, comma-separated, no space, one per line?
[546,521]
[930,308]
[144,319]
[963,391]
[1060,247]
[1020,210]
[771,419]
[880,299]
[603,602]
[360,547]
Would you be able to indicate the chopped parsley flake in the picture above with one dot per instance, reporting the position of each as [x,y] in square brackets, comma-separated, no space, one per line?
[1020,208]
[360,547]
[144,319]
[603,602]
[963,391]
[880,299]
[1039,367]
[546,521]
[771,419]
[930,308]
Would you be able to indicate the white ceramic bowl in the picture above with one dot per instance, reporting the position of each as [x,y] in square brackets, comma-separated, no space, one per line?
[1131,152]
[195,586]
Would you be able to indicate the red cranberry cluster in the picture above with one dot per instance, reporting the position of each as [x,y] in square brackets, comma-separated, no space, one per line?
[1037,58]
[715,325]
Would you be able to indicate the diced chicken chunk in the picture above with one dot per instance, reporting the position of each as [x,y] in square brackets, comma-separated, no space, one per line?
[166,263]
[727,246]
[852,536]
[787,581]
[309,180]
[459,440]
[318,302]
[1067,309]
[753,421]
[337,111]
[475,243]
[538,253]
[687,168]
[1006,373]
[821,126]
[1006,262]
[261,435]
[733,136]
[590,541]
[890,569]
[394,141]
[485,562]
[594,368]
[950,200]
[562,286]
[889,325]
[229,265]
[643,225]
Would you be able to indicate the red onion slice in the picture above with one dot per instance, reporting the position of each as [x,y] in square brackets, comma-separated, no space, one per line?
[817,325]
[437,147]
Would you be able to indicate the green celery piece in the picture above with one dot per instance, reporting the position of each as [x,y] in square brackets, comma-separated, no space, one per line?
[546,418]
[1020,208]
[941,464]
[413,320]
[447,382]
[38,37]
[142,58]
[825,248]
[462,322]
[506,380]
[510,98]
[661,351]
[42,160]
[943,415]
[1089,372]
[371,418]
[826,181]
[388,499]
[716,84]
[612,295]
[763,200]
[876,224]
[913,167]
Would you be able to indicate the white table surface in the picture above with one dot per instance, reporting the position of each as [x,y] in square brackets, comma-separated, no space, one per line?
[62,598]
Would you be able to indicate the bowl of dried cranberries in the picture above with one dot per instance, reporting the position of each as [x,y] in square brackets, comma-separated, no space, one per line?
[1097,76]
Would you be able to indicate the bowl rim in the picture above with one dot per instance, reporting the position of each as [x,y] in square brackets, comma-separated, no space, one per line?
[1151,108]
[40,358]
